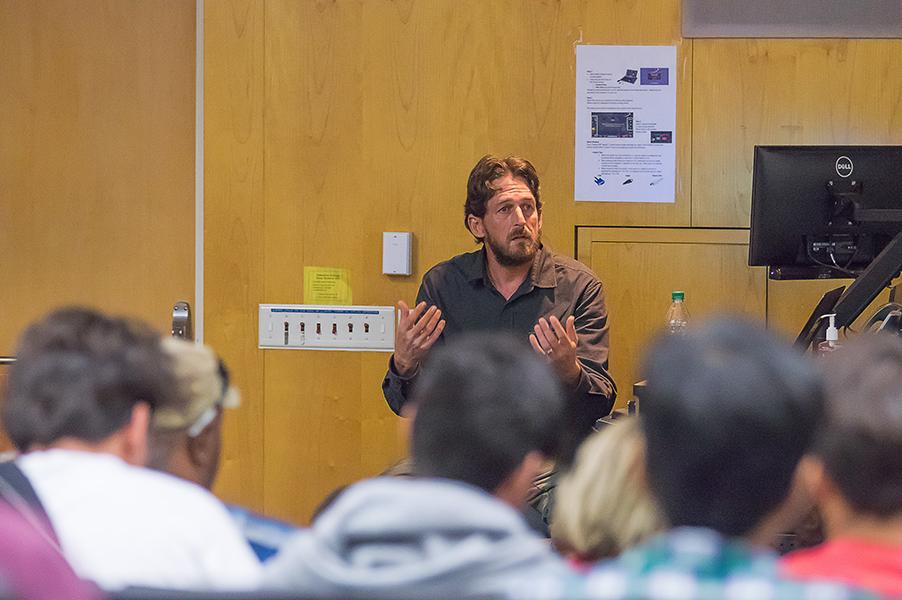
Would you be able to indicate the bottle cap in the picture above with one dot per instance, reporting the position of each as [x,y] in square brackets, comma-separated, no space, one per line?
[677,295]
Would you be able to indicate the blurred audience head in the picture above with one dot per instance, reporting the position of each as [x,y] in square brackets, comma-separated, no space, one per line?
[488,413]
[86,379]
[186,436]
[729,411]
[603,504]
[857,464]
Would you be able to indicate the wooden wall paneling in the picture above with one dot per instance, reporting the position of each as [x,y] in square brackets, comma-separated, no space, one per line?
[235,229]
[96,158]
[375,112]
[383,436]
[312,438]
[421,90]
[458,88]
[534,106]
[748,92]
[640,267]
[317,200]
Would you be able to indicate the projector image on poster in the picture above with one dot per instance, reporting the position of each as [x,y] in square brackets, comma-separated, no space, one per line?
[654,76]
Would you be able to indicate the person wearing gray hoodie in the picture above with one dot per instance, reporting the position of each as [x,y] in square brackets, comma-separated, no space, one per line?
[486,416]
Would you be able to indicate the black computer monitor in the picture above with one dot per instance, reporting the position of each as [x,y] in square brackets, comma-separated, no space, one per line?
[823,211]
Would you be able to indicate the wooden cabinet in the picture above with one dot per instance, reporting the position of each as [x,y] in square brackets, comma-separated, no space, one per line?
[640,267]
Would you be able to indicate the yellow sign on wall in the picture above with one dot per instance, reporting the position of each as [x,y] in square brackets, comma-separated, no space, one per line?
[327,285]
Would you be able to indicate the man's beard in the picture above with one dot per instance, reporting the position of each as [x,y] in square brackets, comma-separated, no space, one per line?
[521,253]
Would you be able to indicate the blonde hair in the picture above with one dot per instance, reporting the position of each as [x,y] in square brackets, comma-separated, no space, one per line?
[603,504]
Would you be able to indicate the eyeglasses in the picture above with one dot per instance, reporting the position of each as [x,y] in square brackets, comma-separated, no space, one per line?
[206,417]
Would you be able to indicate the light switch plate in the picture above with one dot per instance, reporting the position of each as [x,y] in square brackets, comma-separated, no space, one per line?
[316,327]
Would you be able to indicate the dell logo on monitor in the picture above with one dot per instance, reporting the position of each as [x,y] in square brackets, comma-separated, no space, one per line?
[843,166]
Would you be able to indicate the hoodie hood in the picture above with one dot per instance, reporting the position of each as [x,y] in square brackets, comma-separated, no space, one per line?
[412,538]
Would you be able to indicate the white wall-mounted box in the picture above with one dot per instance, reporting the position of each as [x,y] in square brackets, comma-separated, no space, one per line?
[396,252]
[316,327]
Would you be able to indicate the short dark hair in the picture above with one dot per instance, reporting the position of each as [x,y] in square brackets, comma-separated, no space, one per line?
[79,373]
[728,412]
[861,440]
[484,402]
[487,170]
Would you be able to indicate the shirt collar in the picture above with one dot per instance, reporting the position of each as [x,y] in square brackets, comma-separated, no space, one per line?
[701,544]
[541,275]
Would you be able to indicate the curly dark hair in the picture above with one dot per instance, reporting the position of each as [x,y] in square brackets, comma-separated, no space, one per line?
[488,169]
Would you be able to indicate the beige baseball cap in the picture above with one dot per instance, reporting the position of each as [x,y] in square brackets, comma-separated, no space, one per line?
[203,383]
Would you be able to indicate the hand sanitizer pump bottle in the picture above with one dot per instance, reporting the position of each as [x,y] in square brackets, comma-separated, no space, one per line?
[831,343]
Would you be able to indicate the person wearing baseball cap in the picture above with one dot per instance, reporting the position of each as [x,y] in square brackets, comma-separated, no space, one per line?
[186,437]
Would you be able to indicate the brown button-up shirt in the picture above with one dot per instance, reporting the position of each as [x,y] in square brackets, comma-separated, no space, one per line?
[557,285]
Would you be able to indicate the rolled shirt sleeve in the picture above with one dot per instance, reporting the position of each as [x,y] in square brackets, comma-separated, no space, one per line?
[595,391]
[395,387]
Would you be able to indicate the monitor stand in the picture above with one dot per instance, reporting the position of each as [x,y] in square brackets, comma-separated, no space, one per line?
[870,283]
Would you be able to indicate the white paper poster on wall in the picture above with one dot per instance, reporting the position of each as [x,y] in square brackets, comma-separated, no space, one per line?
[625,124]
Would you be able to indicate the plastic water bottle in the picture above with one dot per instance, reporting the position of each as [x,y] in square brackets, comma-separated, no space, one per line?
[677,315]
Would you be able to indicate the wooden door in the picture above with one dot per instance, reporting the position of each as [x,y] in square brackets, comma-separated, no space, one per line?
[97,126]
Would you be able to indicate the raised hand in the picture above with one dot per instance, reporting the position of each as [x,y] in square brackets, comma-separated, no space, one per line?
[558,343]
[418,329]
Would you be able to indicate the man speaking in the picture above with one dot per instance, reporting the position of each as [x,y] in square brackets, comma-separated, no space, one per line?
[516,284]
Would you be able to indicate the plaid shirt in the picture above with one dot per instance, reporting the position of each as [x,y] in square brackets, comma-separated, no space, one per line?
[692,564]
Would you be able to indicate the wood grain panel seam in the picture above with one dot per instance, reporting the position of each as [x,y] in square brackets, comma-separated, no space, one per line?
[263,110]
[691,119]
